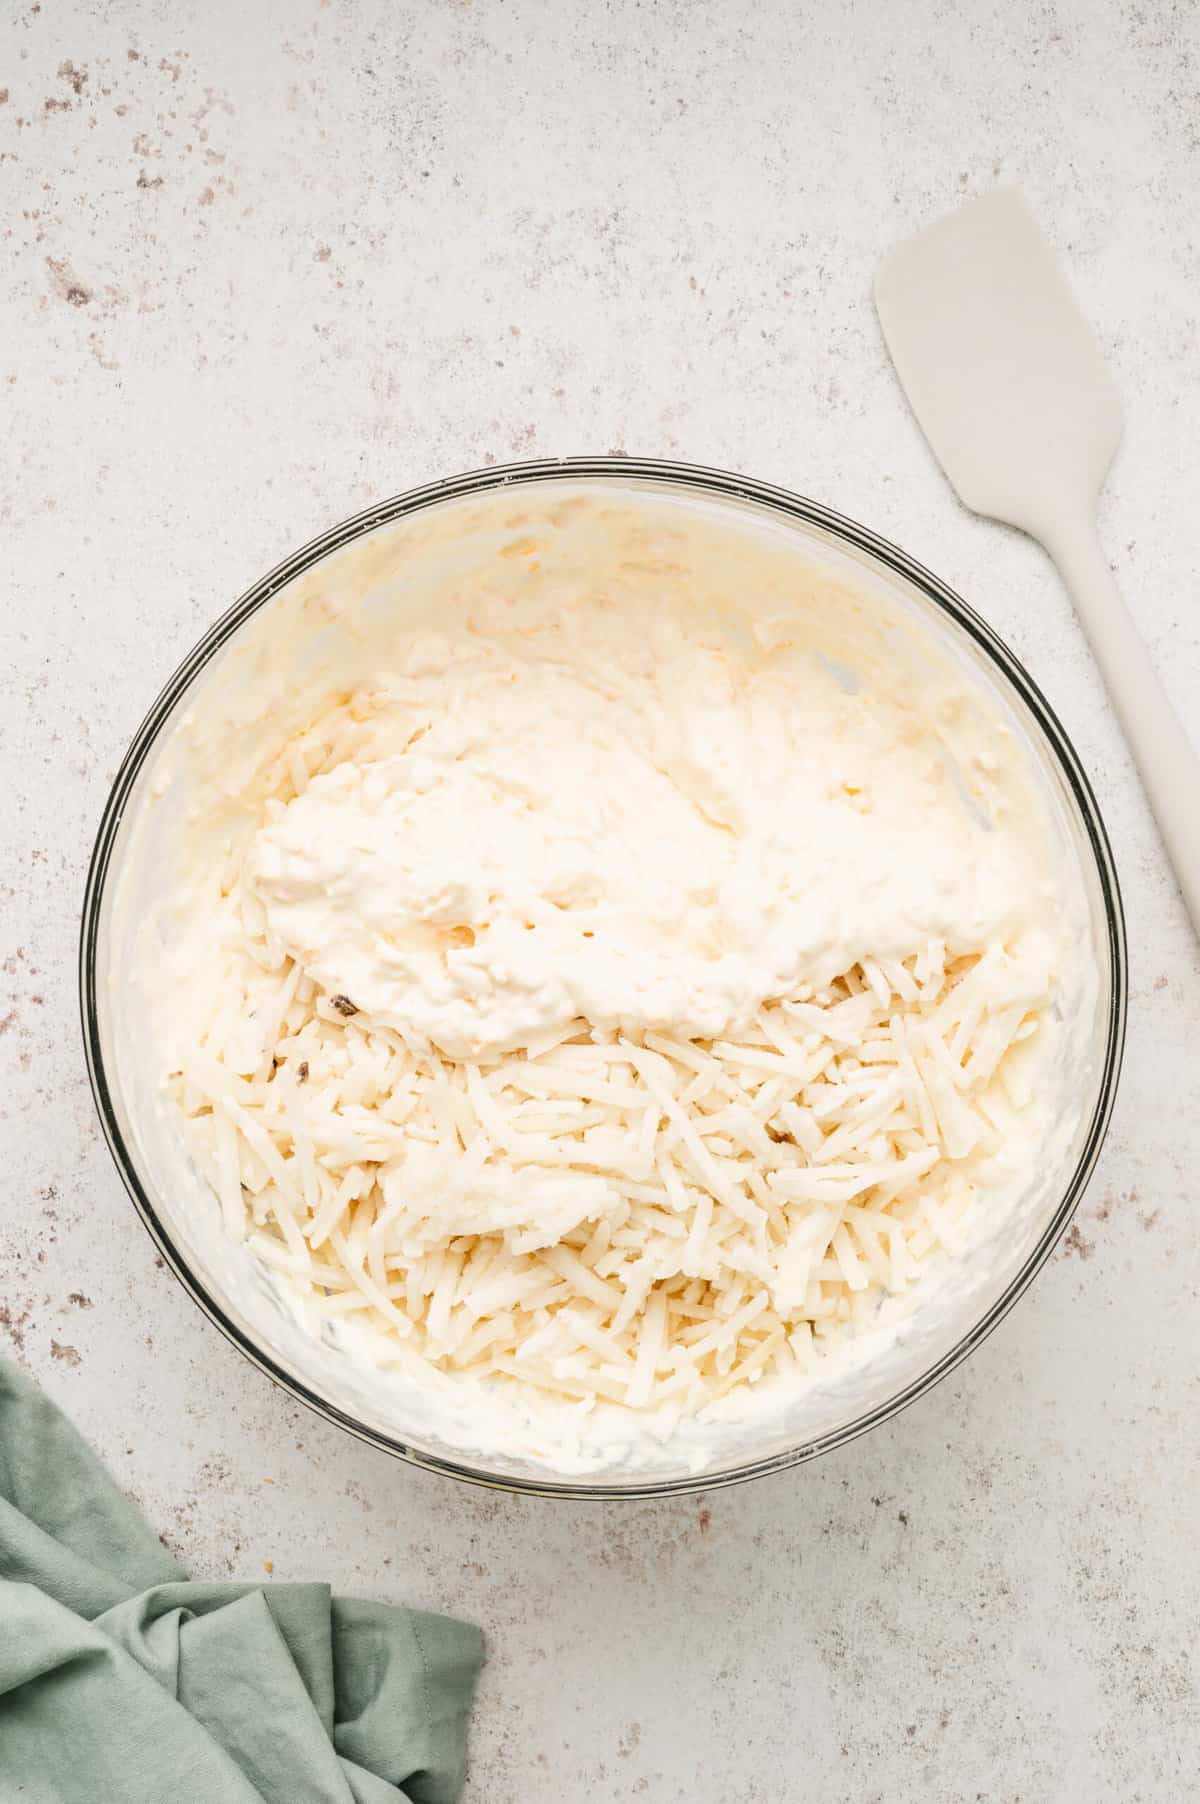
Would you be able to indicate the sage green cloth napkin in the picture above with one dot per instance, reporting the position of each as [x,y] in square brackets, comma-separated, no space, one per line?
[124,1682]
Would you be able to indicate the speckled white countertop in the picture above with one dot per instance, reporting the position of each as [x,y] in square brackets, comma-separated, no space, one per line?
[265,263]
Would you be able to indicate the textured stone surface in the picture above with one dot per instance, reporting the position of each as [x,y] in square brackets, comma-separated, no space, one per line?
[265,263]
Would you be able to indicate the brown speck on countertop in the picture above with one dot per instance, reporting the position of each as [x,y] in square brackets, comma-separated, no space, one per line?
[705,1519]
[77,1299]
[149,181]
[207,197]
[1076,1244]
[3,96]
[14,1325]
[68,1356]
[76,77]
[66,284]
[302,1072]
[322,254]
[1149,1218]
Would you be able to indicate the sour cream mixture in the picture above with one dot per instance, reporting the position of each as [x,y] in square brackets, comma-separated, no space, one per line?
[589,814]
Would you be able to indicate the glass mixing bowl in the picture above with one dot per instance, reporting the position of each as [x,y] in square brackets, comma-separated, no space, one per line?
[183,1218]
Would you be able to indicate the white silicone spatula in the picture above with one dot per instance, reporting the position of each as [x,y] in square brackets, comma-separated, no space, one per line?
[1011,391]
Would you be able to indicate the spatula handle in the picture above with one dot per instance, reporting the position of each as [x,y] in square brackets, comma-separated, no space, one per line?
[1166,758]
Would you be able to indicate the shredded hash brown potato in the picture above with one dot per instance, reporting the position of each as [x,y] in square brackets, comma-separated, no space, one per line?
[680,1216]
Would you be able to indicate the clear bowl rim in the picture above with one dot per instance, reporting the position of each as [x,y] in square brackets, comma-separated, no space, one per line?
[711,482]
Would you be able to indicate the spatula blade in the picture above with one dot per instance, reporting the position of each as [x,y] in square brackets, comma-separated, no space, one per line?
[998,364]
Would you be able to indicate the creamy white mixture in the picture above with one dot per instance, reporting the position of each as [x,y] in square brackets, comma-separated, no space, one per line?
[606,972]
[589,814]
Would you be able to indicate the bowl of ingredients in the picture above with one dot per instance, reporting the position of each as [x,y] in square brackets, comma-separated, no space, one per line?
[603,977]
